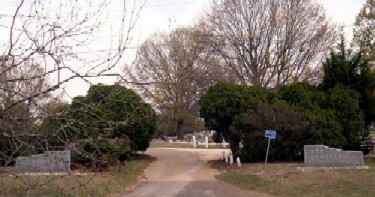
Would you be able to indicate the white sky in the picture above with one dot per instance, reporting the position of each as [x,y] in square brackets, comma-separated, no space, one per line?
[163,15]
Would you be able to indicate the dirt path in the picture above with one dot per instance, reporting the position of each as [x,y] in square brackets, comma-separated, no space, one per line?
[184,173]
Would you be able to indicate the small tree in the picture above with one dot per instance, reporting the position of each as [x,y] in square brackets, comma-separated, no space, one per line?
[346,104]
[114,111]
[105,125]
[223,102]
[322,126]
[285,120]
[351,71]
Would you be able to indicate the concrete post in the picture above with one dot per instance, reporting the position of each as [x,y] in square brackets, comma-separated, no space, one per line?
[206,141]
[226,158]
[238,162]
[194,142]
[231,159]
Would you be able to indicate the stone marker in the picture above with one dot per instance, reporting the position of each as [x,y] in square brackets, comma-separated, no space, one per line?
[50,161]
[194,142]
[238,162]
[224,144]
[226,158]
[231,159]
[324,156]
[206,141]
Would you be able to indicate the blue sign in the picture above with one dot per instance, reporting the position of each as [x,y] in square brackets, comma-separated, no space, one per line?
[271,134]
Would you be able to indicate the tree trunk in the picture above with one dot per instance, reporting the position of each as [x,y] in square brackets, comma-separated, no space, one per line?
[179,129]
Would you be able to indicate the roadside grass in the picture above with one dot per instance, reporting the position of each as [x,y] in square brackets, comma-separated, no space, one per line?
[283,179]
[115,180]
[160,144]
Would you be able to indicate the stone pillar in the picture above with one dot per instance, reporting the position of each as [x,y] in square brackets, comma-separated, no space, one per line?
[226,158]
[238,162]
[206,141]
[231,159]
[194,142]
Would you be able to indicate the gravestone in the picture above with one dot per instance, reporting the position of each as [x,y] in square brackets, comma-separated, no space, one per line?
[324,156]
[50,162]
[224,144]
[231,159]
[238,162]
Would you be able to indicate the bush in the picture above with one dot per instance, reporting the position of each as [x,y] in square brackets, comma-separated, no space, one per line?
[224,102]
[99,154]
[285,120]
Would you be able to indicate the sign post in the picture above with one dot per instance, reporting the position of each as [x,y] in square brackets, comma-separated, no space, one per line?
[270,134]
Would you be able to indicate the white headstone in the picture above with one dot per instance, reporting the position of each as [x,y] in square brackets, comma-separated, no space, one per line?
[194,142]
[206,141]
[238,162]
[231,159]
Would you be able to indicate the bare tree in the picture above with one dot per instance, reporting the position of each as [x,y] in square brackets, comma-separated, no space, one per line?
[364,36]
[271,42]
[179,67]
[45,46]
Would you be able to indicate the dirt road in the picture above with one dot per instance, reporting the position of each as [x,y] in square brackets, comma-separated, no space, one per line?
[184,173]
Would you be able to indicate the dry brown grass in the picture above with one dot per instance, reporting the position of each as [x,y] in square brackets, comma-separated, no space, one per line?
[283,179]
[116,179]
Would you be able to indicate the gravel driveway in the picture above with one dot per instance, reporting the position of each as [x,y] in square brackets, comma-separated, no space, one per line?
[184,173]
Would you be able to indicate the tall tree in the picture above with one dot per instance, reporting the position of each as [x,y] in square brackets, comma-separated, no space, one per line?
[180,67]
[271,42]
[364,30]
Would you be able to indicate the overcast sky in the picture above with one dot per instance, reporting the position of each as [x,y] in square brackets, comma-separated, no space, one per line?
[163,15]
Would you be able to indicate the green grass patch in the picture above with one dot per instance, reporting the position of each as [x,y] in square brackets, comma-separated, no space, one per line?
[115,180]
[283,179]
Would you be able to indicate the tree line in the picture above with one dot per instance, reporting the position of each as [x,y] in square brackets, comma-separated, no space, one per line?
[336,112]
[278,57]
[259,43]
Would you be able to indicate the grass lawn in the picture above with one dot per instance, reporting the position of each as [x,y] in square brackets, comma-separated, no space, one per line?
[115,180]
[283,179]
[159,144]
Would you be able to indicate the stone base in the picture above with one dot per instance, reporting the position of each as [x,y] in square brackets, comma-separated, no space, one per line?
[308,169]
[324,156]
